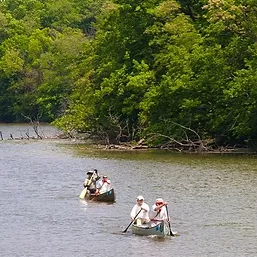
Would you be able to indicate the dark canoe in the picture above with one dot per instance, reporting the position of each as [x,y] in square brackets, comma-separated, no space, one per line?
[105,197]
[152,229]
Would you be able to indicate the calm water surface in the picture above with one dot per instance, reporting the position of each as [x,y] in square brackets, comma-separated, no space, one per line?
[212,201]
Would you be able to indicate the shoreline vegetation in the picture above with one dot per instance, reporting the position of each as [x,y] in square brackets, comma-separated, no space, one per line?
[199,146]
[166,74]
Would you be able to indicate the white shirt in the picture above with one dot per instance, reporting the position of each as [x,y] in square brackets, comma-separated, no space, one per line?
[143,214]
[103,186]
[159,215]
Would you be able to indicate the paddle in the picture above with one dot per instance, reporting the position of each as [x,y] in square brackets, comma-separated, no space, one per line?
[93,198]
[171,233]
[124,231]
[84,191]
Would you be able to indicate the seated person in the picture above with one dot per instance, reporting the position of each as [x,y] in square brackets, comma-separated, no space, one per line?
[140,212]
[158,211]
[103,185]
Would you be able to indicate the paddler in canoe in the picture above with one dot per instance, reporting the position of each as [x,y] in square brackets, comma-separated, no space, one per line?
[90,183]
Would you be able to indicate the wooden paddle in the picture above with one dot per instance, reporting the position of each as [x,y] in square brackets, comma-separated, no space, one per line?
[171,233]
[84,191]
[124,231]
[93,198]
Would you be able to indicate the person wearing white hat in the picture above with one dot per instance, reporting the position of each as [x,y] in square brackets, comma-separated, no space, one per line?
[140,211]
[158,211]
[103,185]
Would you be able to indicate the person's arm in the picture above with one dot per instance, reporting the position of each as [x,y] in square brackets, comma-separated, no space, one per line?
[133,212]
[158,207]
[145,207]
[108,188]
[85,183]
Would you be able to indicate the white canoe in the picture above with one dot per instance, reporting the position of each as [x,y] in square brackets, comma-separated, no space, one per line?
[152,228]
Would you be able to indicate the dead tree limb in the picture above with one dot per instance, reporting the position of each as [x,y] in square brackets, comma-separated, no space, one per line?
[202,147]
[35,124]
[186,143]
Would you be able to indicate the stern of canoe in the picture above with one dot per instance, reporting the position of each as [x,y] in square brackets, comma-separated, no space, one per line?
[105,197]
[151,229]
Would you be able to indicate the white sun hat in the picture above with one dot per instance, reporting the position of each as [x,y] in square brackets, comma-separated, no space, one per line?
[140,197]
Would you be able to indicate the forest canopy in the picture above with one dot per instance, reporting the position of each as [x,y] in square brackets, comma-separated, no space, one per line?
[128,70]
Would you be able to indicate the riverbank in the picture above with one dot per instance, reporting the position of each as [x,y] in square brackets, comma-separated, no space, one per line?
[219,150]
[19,132]
[132,146]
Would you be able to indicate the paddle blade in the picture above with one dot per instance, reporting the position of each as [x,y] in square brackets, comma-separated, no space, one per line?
[83,193]
[124,231]
[175,233]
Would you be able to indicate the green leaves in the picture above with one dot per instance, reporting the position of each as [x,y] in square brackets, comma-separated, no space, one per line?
[11,62]
[126,69]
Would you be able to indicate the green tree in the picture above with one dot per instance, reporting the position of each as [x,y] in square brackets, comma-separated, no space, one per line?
[117,63]
[167,103]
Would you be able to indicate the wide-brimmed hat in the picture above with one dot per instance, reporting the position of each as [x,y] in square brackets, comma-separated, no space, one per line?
[90,172]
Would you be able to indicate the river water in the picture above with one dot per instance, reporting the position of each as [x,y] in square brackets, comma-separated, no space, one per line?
[212,201]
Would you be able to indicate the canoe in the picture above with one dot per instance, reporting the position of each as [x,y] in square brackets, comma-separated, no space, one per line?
[108,196]
[152,229]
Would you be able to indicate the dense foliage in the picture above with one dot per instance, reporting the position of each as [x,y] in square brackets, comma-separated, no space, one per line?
[166,71]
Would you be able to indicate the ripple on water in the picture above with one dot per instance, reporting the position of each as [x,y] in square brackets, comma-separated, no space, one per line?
[212,202]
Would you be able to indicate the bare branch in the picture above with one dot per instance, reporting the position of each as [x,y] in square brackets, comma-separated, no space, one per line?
[35,124]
